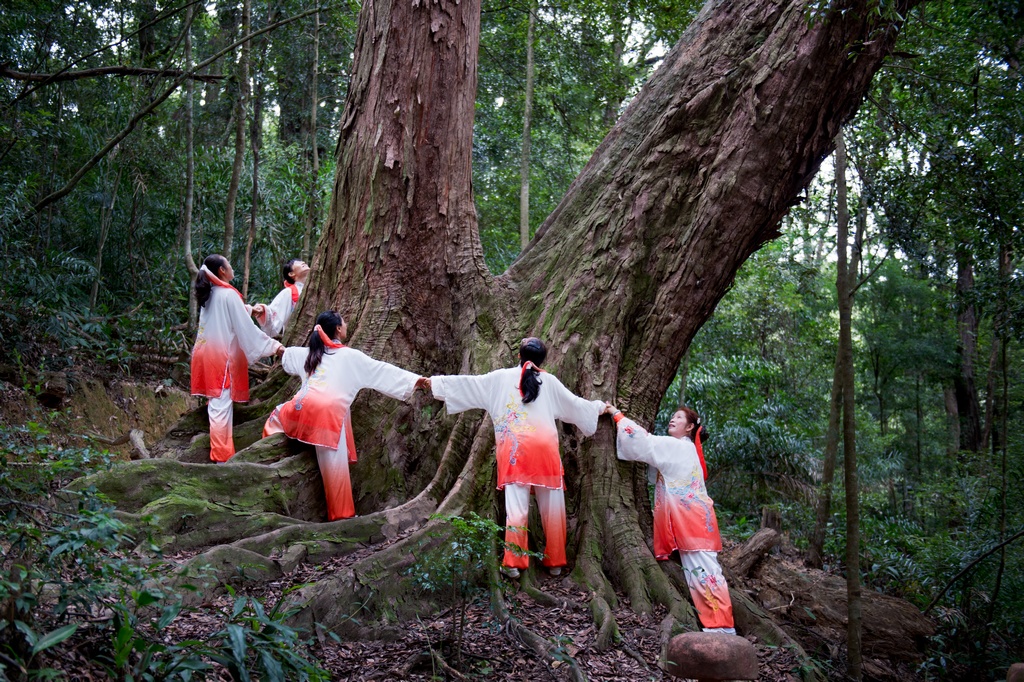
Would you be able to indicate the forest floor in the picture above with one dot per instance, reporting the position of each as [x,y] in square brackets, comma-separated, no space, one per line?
[407,651]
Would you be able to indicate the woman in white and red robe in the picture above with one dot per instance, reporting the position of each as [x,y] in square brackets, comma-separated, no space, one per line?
[227,342]
[274,317]
[320,413]
[524,402]
[684,514]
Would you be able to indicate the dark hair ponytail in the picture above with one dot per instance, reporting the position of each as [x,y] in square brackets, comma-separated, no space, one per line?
[214,262]
[329,321]
[286,270]
[532,350]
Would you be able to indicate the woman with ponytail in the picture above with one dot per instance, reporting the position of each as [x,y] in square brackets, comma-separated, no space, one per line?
[684,514]
[227,342]
[319,414]
[274,316]
[524,402]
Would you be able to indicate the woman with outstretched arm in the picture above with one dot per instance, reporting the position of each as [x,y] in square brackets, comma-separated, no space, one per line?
[226,344]
[320,413]
[684,514]
[524,402]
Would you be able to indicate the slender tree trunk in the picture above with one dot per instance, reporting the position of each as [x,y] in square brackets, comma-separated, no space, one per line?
[1003,414]
[823,509]
[524,160]
[844,291]
[313,198]
[919,417]
[953,422]
[190,175]
[106,217]
[241,104]
[256,139]
[967,326]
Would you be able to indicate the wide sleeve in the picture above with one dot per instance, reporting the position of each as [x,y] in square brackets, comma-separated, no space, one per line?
[461,392]
[253,342]
[384,377]
[571,408]
[276,314]
[294,360]
[633,443]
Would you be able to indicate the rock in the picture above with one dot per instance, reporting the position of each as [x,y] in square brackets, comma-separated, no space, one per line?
[292,557]
[1015,673]
[708,656]
[52,390]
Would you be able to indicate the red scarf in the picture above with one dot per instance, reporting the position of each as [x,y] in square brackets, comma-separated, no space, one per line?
[219,282]
[700,453]
[295,291]
[328,341]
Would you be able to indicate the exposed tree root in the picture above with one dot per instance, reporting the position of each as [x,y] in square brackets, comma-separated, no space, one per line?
[604,620]
[443,665]
[528,585]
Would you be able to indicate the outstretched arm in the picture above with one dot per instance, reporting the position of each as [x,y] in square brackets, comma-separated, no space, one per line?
[385,377]
[571,408]
[461,392]
[253,342]
[632,442]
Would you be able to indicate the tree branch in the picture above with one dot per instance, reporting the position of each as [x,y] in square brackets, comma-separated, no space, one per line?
[6,72]
[967,569]
[157,19]
[113,142]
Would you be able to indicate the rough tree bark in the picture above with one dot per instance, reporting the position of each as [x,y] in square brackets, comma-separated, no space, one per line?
[693,178]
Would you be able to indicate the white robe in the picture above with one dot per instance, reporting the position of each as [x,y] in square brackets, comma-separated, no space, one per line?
[278,311]
[319,412]
[226,344]
[525,434]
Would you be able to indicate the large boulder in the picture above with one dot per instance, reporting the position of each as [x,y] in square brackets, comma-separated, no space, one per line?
[708,656]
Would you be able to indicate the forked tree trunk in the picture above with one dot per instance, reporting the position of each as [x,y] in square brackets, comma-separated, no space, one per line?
[693,178]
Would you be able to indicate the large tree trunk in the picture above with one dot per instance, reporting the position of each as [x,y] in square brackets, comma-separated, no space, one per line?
[693,178]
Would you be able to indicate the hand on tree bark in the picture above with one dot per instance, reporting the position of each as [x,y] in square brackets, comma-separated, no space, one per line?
[424,383]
